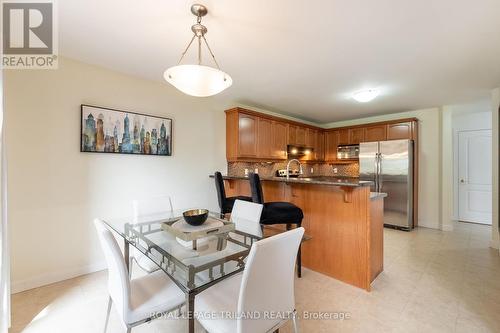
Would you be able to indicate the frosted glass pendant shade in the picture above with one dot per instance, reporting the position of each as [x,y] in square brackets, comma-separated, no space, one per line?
[198,80]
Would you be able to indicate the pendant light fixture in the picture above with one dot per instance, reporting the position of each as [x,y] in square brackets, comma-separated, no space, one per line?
[198,80]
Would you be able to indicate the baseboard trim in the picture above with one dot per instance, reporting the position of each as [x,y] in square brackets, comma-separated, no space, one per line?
[494,243]
[424,224]
[447,227]
[53,277]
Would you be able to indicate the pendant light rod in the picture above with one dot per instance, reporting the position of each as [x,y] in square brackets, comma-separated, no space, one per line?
[187,48]
[211,53]
[199,50]
[199,31]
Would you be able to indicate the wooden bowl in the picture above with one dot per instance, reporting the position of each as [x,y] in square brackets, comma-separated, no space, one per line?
[195,217]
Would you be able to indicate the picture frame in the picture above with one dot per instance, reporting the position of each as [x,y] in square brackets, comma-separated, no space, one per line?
[113,131]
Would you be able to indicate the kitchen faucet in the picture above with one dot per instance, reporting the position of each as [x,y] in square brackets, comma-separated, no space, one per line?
[288,168]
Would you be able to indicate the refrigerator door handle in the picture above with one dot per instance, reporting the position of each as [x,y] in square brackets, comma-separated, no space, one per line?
[380,172]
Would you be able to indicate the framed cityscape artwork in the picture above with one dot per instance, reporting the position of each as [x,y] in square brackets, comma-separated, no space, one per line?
[106,130]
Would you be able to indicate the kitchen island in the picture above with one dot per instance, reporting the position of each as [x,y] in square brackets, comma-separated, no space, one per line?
[344,219]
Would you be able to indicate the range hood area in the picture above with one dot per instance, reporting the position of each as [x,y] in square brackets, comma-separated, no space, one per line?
[298,151]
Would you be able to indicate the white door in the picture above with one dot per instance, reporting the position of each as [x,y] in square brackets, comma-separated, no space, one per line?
[474,176]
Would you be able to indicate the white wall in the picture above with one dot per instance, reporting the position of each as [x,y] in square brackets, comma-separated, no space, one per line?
[55,191]
[429,213]
[495,104]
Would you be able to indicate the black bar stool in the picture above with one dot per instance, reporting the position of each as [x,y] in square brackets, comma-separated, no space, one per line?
[225,203]
[277,213]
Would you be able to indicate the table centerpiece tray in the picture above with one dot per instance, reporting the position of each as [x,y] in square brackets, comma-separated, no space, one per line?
[179,228]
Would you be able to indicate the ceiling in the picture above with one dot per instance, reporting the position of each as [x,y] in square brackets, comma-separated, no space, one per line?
[294,58]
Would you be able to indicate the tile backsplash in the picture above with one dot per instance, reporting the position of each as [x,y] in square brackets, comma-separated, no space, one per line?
[268,169]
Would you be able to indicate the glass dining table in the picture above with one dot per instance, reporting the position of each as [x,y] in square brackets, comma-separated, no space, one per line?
[193,265]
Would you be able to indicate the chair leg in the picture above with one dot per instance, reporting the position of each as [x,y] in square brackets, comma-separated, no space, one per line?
[299,262]
[130,262]
[299,256]
[295,326]
[110,302]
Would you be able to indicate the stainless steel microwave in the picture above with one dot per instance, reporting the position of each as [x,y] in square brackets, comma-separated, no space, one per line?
[348,152]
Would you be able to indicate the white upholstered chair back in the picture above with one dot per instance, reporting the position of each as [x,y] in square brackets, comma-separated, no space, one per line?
[246,217]
[118,280]
[268,280]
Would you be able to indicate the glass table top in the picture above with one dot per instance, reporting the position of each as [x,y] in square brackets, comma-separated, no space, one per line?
[190,264]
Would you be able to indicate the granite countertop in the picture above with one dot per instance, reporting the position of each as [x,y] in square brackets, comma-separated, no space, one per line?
[318,180]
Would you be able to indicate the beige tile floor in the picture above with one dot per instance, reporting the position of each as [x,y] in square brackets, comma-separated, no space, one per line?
[433,281]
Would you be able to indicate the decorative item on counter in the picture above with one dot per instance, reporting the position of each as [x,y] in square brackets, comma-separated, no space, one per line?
[105,130]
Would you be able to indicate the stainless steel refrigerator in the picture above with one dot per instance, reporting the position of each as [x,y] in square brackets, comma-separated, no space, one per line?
[389,164]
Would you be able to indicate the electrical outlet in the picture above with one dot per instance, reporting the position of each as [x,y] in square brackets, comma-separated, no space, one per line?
[246,172]
[312,170]
[335,170]
[256,171]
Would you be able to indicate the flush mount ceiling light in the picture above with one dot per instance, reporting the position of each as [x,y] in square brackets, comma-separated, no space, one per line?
[364,96]
[198,80]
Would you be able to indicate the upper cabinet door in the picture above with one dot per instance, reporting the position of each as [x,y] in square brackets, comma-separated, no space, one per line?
[375,133]
[399,131]
[301,136]
[311,142]
[356,135]
[247,141]
[320,146]
[343,138]
[292,134]
[265,139]
[331,143]
[279,134]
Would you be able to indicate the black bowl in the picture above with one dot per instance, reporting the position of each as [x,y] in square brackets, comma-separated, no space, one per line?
[195,216]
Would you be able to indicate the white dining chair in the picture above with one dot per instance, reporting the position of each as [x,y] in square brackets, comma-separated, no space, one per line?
[266,286]
[139,300]
[145,209]
[246,217]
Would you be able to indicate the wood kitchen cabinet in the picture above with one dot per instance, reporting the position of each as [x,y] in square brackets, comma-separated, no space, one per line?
[252,136]
[331,143]
[265,138]
[375,133]
[292,134]
[400,131]
[343,137]
[320,146]
[311,142]
[356,135]
[247,138]
[296,135]
[346,236]
[279,135]
[301,136]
